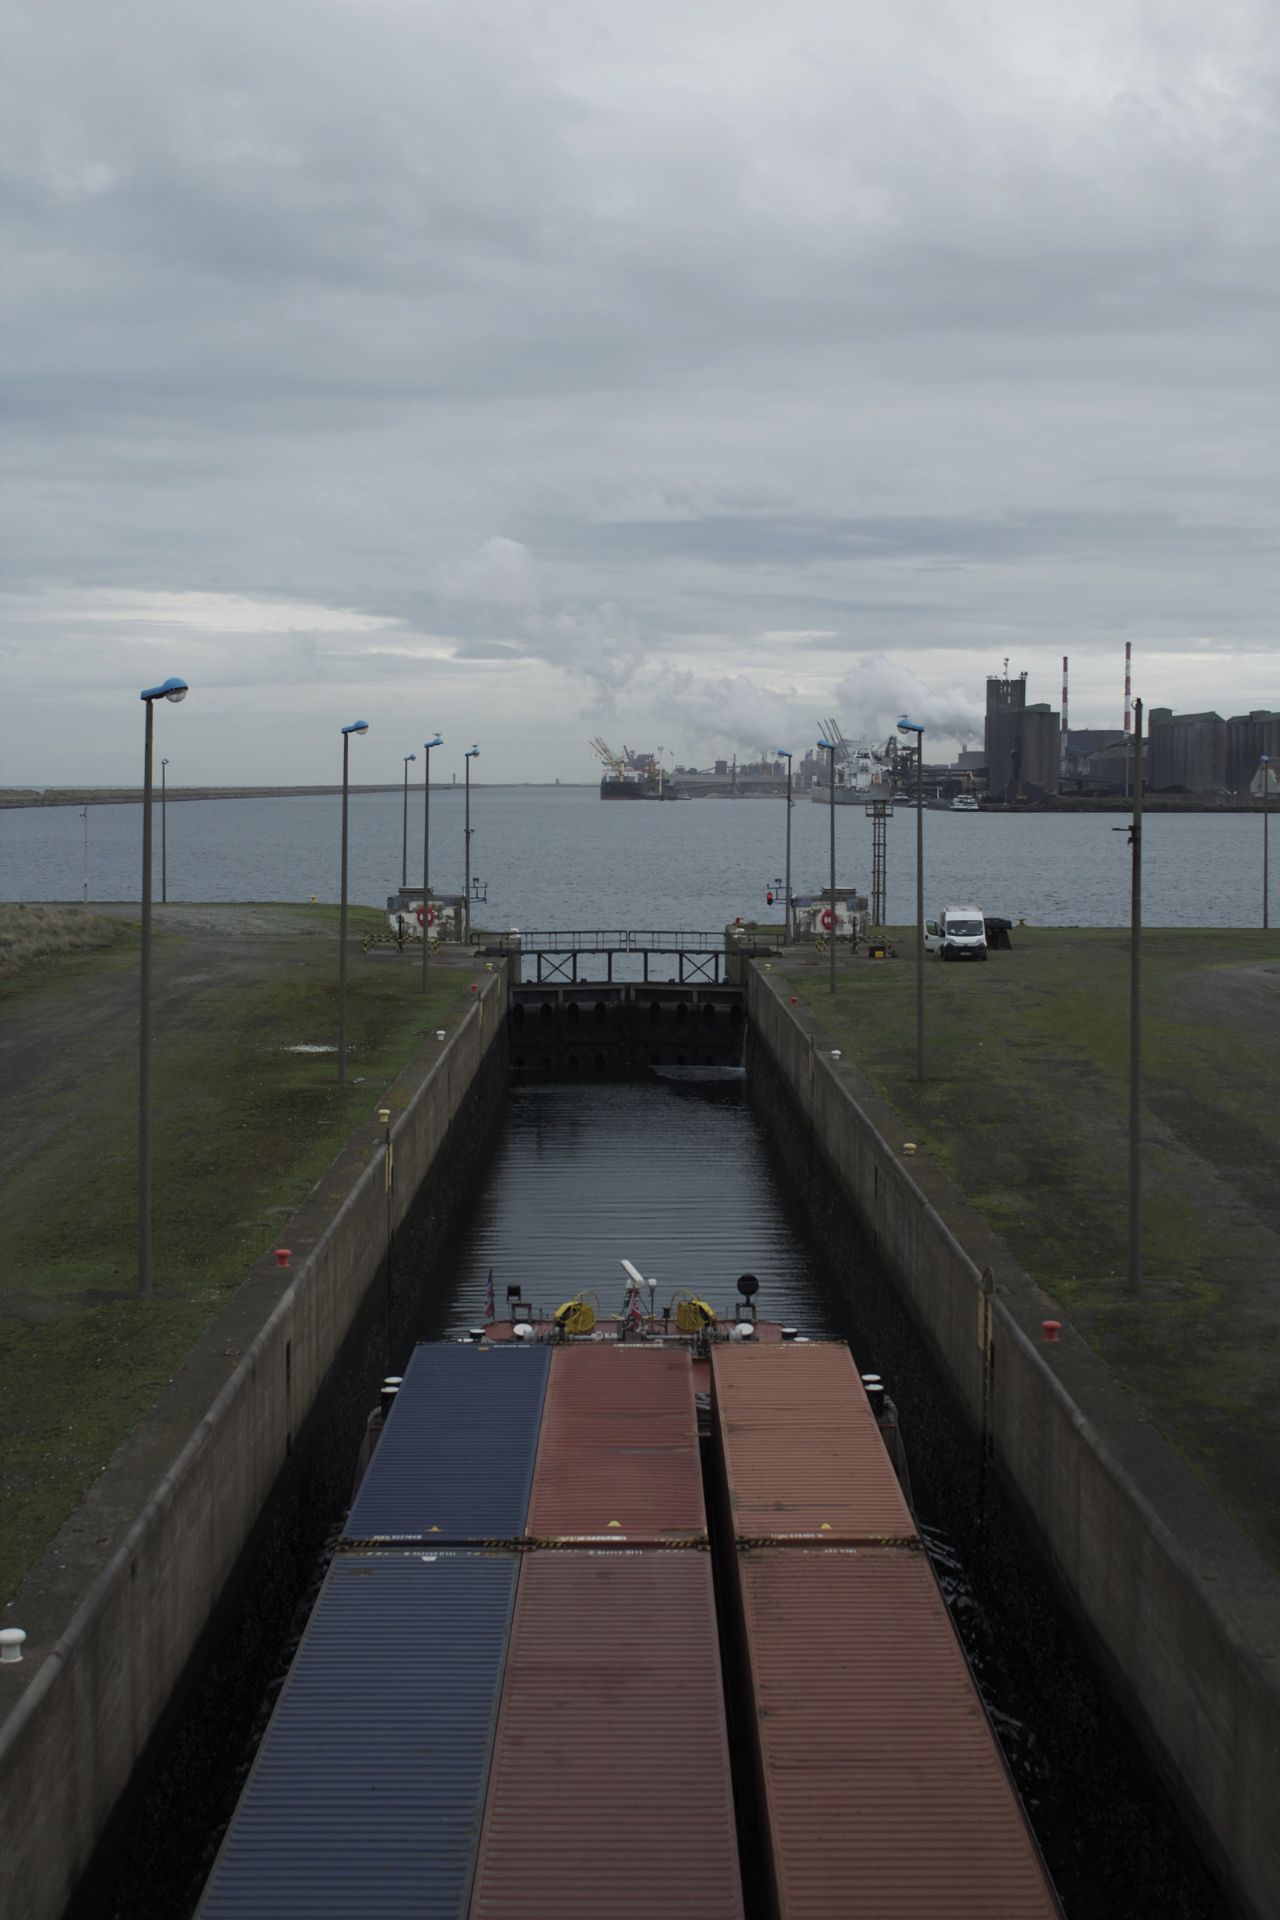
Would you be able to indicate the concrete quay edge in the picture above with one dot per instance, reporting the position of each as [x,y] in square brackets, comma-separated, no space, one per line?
[1182,1607]
[117,1604]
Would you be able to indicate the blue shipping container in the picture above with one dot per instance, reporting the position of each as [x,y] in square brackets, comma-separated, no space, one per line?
[455,1461]
[368,1789]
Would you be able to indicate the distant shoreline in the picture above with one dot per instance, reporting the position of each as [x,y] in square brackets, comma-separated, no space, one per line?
[33,797]
[132,796]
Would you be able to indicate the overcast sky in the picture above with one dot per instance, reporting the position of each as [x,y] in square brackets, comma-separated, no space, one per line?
[529,369]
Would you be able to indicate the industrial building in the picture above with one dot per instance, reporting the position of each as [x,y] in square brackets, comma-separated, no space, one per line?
[1186,752]
[1249,736]
[1023,743]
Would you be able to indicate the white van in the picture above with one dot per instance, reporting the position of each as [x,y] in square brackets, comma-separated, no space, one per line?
[959,933]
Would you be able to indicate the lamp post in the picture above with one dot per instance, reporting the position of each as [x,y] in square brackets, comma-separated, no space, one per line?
[164,835]
[471,754]
[829,748]
[357,726]
[404,840]
[84,815]
[1135,1016]
[786,898]
[174,690]
[426,852]
[1265,762]
[911,726]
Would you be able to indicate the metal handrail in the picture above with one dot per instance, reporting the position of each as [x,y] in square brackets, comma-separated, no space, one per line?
[620,940]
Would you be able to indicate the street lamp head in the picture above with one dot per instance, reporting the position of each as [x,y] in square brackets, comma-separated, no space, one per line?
[428,744]
[174,690]
[357,726]
[782,753]
[164,761]
[828,746]
[408,757]
[909,726]
[472,753]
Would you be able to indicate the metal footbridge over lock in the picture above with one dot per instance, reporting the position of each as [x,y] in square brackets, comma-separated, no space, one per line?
[576,956]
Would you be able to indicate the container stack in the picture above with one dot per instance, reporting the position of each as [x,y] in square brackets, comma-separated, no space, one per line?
[373,1771]
[880,1785]
[508,1698]
[610,1792]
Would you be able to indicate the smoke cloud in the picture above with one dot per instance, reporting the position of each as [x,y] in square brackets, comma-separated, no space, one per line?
[876,691]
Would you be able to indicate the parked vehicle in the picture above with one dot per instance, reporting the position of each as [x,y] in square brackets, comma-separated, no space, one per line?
[959,933]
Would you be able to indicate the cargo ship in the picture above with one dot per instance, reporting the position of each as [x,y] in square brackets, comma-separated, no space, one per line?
[629,775]
[571,1658]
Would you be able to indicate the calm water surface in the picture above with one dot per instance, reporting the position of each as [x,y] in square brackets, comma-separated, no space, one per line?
[562,857]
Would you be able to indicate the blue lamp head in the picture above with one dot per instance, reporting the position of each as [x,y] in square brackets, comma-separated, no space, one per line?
[357,726]
[164,761]
[472,753]
[909,726]
[408,757]
[828,746]
[781,753]
[1264,759]
[428,744]
[174,690]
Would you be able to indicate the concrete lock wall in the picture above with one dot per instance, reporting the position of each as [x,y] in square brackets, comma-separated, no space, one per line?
[1184,1610]
[108,1643]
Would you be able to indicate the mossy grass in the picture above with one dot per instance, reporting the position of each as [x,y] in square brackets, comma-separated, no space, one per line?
[243,1127]
[1025,1106]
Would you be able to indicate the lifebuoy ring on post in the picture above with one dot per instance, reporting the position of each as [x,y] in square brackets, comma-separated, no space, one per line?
[431,916]
[422,916]
[828,921]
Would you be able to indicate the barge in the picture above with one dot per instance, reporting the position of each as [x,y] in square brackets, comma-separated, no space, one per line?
[571,1658]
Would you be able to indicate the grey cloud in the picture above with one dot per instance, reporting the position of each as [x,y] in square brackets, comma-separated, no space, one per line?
[606,341]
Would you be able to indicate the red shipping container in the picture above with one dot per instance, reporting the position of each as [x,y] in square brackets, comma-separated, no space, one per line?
[618,1449]
[609,1793]
[885,1791]
[801,1454]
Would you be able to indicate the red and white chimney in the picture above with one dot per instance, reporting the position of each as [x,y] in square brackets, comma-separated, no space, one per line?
[1062,760]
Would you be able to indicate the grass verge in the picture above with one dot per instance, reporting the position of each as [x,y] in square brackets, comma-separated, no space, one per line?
[1025,1106]
[243,1128]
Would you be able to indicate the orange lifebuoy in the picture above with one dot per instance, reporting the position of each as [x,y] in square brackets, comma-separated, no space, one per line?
[828,921]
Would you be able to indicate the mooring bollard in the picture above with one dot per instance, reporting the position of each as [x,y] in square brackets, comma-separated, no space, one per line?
[11,1639]
[1052,1328]
[283,1256]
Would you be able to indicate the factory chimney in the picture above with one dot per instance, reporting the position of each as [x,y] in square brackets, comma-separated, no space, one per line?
[1062,761]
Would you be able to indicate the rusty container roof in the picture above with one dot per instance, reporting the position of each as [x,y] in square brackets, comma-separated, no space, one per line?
[618,1450]
[609,1793]
[800,1450]
[885,1789]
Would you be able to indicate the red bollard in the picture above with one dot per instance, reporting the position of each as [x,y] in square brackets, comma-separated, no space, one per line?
[283,1256]
[795,999]
[1052,1328]
[474,987]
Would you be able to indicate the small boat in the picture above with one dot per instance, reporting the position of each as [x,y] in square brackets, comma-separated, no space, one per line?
[964,803]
